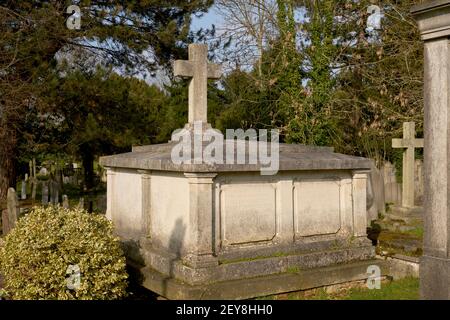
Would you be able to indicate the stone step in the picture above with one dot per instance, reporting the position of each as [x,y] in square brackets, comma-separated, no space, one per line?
[396,226]
[262,286]
[407,215]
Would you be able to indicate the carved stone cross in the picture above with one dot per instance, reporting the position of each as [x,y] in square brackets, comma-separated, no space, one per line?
[409,143]
[197,68]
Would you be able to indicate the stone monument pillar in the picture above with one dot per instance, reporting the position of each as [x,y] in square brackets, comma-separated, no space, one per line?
[201,214]
[434,23]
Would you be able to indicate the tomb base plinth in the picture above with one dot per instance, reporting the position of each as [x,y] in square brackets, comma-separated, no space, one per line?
[257,262]
[266,285]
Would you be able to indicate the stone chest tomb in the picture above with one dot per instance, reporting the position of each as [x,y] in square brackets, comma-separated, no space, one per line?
[219,230]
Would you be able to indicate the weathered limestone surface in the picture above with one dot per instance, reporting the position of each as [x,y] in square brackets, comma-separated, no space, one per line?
[434,23]
[292,157]
[432,19]
[197,68]
[65,201]
[265,285]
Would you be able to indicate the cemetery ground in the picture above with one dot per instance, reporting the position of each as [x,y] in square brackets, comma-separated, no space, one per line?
[394,237]
[403,289]
[393,234]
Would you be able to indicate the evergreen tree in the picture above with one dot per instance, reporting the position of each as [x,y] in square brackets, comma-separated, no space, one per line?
[101,113]
[34,33]
[380,86]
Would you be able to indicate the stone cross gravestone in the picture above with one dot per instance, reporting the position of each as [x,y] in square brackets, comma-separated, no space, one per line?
[409,143]
[433,19]
[197,68]
[65,201]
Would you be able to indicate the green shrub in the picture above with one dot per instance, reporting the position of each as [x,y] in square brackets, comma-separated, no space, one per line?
[39,251]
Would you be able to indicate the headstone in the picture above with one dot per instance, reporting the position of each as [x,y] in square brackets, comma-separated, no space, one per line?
[23,190]
[44,193]
[12,205]
[81,204]
[101,203]
[103,176]
[65,201]
[43,171]
[433,19]
[409,143]
[54,192]
[392,189]
[375,187]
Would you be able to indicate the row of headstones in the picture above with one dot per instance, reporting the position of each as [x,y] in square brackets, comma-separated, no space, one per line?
[13,209]
[49,191]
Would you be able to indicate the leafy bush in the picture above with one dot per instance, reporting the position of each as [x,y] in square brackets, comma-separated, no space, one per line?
[49,242]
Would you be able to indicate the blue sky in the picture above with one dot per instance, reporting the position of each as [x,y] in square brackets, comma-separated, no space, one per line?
[206,20]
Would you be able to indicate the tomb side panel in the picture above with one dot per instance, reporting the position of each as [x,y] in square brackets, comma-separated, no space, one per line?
[169,213]
[248,212]
[317,206]
[126,203]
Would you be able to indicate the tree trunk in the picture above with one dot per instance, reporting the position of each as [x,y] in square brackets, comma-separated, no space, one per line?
[8,164]
[261,21]
[88,166]
[34,183]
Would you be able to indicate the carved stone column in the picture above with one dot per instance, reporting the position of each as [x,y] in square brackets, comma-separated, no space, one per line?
[109,191]
[201,220]
[146,202]
[434,23]
[359,187]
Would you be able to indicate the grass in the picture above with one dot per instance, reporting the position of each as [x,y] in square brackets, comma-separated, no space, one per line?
[416,232]
[403,289]
[293,269]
